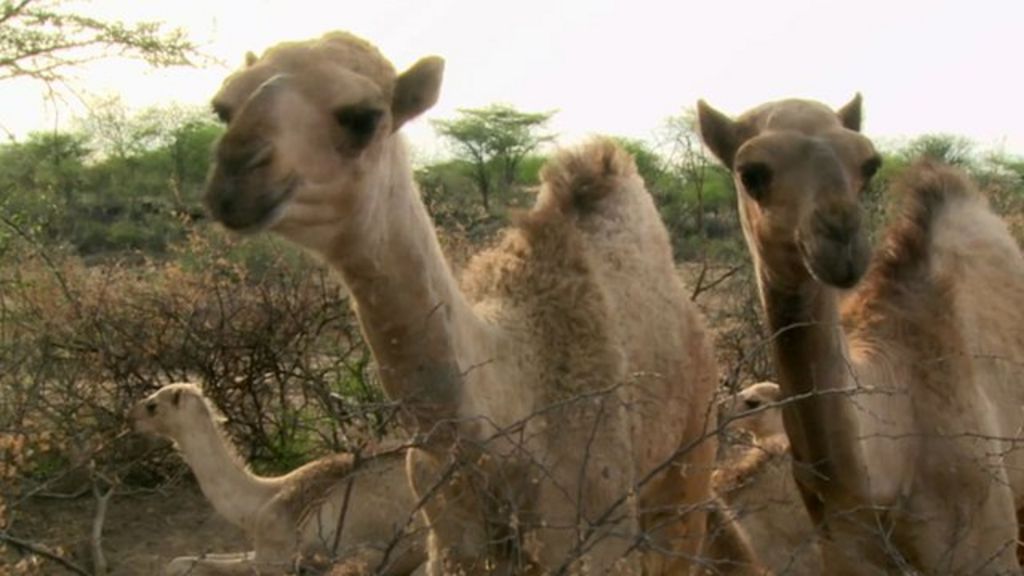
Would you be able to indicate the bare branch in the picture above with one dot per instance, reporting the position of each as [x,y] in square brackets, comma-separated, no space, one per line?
[39,550]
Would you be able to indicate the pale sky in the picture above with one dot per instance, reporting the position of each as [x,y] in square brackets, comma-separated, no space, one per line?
[621,67]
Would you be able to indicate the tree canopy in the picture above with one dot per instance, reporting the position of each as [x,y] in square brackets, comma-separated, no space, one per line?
[494,140]
[119,181]
[43,39]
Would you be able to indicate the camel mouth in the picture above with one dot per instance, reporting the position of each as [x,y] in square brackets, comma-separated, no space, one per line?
[136,422]
[844,280]
[263,214]
[833,264]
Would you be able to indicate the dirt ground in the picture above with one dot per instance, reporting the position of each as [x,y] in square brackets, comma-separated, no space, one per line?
[142,532]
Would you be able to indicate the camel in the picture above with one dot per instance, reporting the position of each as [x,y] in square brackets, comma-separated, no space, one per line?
[756,486]
[294,517]
[902,374]
[753,410]
[561,392]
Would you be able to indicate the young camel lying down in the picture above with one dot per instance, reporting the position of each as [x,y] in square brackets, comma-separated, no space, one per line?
[295,516]
[755,481]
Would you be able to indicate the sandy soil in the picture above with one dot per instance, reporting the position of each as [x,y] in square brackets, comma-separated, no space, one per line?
[142,532]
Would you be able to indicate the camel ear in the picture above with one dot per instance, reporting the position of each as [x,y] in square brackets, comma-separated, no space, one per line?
[417,90]
[250,58]
[176,398]
[718,132]
[850,115]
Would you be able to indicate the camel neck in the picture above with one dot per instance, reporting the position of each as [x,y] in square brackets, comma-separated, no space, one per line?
[407,299]
[234,492]
[815,373]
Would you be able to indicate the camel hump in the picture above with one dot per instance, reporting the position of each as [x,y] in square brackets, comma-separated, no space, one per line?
[577,178]
[924,190]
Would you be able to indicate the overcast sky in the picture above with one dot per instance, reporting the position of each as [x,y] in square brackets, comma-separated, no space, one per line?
[622,66]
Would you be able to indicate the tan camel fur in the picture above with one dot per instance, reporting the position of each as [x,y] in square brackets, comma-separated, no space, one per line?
[753,410]
[903,381]
[292,517]
[569,369]
[728,550]
[756,484]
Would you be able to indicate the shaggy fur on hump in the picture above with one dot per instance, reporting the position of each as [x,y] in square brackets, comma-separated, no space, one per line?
[541,262]
[579,177]
[900,273]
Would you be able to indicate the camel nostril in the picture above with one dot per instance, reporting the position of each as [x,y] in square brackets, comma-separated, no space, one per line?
[849,276]
[835,231]
[842,231]
[226,204]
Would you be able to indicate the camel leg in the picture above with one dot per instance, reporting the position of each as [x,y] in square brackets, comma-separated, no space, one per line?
[673,505]
[673,515]
[241,564]
[583,512]
[555,539]
[370,560]
[971,539]
[218,557]
[1020,536]
[457,543]
[267,561]
[273,557]
[229,556]
[727,548]
[933,535]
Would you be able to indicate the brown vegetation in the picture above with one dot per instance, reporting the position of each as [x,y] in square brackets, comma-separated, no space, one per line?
[280,351]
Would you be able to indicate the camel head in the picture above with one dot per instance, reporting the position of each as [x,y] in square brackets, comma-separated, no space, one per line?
[170,411]
[799,169]
[306,124]
[736,409]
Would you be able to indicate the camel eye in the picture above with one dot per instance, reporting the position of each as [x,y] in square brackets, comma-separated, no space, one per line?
[151,408]
[222,111]
[751,403]
[870,167]
[360,122]
[756,178]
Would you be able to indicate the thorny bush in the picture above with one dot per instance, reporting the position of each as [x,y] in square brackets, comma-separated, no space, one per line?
[269,335]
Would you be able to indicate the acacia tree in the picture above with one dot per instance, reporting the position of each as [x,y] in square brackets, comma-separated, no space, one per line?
[150,151]
[117,181]
[494,140]
[949,148]
[42,39]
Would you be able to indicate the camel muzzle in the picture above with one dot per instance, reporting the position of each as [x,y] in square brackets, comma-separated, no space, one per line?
[246,201]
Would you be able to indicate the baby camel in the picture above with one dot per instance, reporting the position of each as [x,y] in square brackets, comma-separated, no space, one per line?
[756,484]
[753,410]
[902,381]
[291,516]
[561,393]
